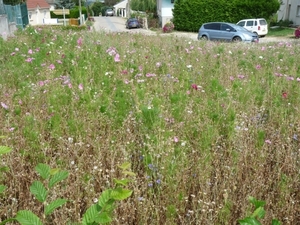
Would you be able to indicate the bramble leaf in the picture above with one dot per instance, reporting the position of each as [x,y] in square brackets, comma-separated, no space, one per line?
[259,212]
[53,205]
[103,218]
[125,166]
[25,217]
[54,171]
[4,150]
[61,175]
[104,198]
[256,202]
[123,182]
[43,170]
[249,221]
[120,193]
[39,191]
[128,173]
[91,214]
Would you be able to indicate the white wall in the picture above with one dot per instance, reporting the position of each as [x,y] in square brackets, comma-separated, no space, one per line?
[6,29]
[37,16]
[290,10]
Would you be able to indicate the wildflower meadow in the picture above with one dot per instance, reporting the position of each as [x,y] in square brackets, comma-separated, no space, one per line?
[166,130]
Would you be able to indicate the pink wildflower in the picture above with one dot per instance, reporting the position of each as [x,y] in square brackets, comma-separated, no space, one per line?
[117,58]
[176,139]
[4,105]
[80,86]
[268,141]
[51,67]
[79,41]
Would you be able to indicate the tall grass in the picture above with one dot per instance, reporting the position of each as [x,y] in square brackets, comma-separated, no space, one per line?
[204,125]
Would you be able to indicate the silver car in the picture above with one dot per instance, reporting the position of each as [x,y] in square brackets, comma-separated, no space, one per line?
[109,12]
[220,31]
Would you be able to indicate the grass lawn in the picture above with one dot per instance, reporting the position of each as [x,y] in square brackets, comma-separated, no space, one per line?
[281,32]
[135,129]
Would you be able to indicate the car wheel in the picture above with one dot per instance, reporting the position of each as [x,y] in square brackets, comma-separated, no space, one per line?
[204,38]
[237,39]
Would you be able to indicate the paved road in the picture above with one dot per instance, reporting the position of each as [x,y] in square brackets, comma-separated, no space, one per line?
[117,24]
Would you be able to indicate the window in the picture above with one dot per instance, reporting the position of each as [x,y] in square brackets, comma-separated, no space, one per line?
[249,23]
[226,27]
[212,26]
[298,10]
[29,15]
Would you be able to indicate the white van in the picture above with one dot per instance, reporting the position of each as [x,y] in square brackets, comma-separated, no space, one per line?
[258,26]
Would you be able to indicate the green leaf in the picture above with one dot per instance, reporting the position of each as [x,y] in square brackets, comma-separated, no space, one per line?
[123,182]
[125,166]
[25,217]
[249,221]
[43,170]
[104,198]
[4,150]
[256,202]
[259,212]
[2,188]
[4,169]
[120,193]
[53,205]
[128,173]
[91,214]
[103,218]
[39,191]
[8,220]
[54,171]
[59,176]
[275,222]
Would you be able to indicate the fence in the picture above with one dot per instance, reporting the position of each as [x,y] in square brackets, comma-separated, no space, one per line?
[17,14]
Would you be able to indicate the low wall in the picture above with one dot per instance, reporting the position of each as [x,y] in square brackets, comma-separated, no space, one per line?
[4,29]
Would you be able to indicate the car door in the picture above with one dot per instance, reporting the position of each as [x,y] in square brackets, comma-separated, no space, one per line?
[226,32]
[214,31]
[250,25]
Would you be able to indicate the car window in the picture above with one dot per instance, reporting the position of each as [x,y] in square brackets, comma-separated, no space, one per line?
[249,23]
[212,26]
[242,23]
[263,22]
[225,27]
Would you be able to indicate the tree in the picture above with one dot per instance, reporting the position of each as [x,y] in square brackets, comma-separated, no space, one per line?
[67,4]
[189,15]
[143,5]
[12,2]
[111,2]
[96,8]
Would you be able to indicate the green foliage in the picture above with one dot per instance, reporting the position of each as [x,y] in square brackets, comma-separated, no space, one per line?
[74,12]
[148,6]
[40,192]
[259,213]
[96,8]
[101,212]
[190,15]
[67,4]
[3,150]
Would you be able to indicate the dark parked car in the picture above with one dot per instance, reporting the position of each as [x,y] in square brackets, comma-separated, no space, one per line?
[221,31]
[133,23]
[109,12]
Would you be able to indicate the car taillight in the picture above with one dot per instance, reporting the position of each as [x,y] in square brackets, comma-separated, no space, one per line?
[258,27]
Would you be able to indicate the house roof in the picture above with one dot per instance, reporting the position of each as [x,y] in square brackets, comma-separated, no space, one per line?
[33,4]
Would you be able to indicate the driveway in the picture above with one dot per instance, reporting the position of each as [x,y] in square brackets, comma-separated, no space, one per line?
[117,24]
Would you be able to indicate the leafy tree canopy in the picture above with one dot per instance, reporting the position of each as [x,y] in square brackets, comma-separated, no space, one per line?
[12,2]
[67,4]
[111,2]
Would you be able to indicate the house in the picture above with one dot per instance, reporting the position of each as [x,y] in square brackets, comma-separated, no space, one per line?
[121,8]
[164,11]
[38,11]
[290,10]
